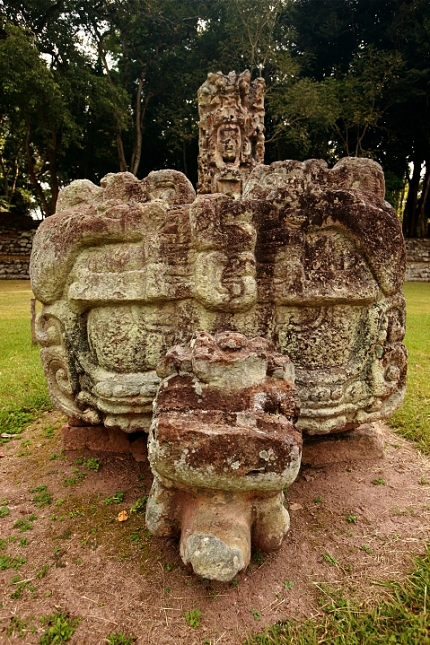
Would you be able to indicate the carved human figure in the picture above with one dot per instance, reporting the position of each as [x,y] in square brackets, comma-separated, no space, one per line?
[231,131]
[229,144]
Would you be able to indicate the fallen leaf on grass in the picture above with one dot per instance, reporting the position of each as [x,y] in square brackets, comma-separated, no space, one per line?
[295,507]
[122,516]
[2,454]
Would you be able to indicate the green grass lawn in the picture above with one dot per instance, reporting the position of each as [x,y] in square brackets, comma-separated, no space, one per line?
[413,418]
[23,390]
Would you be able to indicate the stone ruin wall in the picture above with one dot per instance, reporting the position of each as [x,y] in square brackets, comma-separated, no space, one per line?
[16,239]
[418,260]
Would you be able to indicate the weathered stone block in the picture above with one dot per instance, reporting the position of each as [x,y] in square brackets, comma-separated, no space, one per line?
[222,446]
[99,438]
[366,442]
[310,258]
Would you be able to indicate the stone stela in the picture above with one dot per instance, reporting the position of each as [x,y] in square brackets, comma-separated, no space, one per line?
[226,324]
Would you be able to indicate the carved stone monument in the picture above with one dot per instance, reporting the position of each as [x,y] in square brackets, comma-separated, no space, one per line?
[222,447]
[231,131]
[267,262]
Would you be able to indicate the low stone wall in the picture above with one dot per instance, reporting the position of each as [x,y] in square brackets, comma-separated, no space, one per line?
[418,260]
[16,239]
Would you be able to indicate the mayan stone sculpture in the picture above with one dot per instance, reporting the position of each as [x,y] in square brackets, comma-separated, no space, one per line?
[222,447]
[231,131]
[148,288]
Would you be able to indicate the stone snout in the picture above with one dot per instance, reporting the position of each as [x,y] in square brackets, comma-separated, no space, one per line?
[222,447]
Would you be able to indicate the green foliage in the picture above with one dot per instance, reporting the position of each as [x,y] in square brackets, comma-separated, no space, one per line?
[413,419]
[32,103]
[48,432]
[92,463]
[193,617]
[118,638]
[341,78]
[7,562]
[42,497]
[59,628]
[257,557]
[23,525]
[330,559]
[75,479]
[43,571]
[16,626]
[379,481]
[116,498]
[20,586]
[23,392]
[4,511]
[139,505]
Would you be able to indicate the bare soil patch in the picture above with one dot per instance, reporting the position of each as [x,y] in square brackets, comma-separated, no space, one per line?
[352,526]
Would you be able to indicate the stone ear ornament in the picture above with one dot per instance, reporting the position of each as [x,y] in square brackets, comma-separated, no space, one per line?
[208,320]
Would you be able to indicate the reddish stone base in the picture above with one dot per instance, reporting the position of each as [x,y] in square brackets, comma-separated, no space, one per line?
[366,442]
[77,437]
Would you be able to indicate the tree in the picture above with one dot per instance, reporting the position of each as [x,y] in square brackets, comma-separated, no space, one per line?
[376,52]
[56,106]
[31,106]
[137,43]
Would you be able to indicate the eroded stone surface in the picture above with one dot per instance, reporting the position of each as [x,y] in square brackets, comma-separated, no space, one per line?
[231,131]
[311,259]
[366,442]
[77,436]
[222,447]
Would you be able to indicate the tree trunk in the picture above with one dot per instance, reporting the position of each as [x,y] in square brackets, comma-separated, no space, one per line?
[410,215]
[423,203]
[119,144]
[38,188]
[53,172]
[5,179]
[184,158]
[138,125]
[121,156]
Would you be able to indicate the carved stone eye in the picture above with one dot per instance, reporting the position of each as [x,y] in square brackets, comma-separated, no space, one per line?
[273,180]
